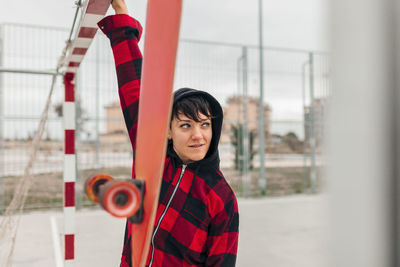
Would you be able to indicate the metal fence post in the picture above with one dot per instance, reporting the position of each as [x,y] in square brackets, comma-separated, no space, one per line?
[363,130]
[2,204]
[305,124]
[238,121]
[97,102]
[241,183]
[78,132]
[395,182]
[261,136]
[245,126]
[313,172]
[396,136]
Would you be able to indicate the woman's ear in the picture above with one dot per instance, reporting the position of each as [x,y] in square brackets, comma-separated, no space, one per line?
[169,134]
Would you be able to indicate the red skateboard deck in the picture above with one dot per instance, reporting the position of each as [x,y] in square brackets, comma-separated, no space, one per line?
[160,48]
[124,198]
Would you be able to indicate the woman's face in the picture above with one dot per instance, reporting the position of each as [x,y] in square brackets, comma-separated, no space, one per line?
[191,140]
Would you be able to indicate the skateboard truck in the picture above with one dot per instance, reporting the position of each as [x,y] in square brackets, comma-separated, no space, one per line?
[121,198]
[138,216]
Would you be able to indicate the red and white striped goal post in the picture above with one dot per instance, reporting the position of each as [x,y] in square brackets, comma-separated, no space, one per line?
[92,12]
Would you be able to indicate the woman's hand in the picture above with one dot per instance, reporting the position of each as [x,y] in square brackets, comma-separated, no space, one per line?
[119,6]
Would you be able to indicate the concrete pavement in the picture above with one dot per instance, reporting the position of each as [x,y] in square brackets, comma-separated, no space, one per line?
[279,232]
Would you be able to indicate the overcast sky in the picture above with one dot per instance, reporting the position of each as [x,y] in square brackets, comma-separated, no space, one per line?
[287,23]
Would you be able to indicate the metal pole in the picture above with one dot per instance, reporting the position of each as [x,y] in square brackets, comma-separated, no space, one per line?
[70,163]
[363,199]
[395,183]
[261,137]
[239,85]
[238,45]
[313,173]
[78,123]
[396,137]
[245,127]
[29,71]
[305,124]
[97,103]
[2,204]
[239,123]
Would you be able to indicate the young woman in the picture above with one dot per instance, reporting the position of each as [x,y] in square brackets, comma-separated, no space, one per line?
[197,216]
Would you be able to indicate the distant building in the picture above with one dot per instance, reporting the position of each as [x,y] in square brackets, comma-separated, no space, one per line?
[234,114]
[319,105]
[115,126]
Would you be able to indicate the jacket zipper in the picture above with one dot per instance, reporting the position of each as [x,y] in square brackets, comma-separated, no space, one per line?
[163,214]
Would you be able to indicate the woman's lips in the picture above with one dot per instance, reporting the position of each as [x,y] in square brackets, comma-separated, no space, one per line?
[196,146]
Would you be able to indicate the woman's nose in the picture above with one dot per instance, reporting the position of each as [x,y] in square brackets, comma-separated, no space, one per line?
[196,133]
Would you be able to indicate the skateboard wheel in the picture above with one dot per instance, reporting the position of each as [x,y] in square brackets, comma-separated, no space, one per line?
[120,198]
[93,183]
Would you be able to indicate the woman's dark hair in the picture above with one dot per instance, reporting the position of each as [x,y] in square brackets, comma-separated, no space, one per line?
[191,107]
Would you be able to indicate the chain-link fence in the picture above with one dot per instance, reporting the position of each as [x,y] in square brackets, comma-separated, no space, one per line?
[296,92]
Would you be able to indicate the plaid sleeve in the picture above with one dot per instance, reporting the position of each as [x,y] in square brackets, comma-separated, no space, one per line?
[223,233]
[124,33]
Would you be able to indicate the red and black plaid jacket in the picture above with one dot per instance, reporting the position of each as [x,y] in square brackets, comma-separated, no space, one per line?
[197,217]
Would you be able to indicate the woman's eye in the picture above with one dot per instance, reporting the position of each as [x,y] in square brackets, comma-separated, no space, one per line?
[206,124]
[186,125]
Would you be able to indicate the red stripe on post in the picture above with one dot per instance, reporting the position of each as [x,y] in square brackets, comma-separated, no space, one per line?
[69,141]
[86,32]
[79,51]
[69,87]
[69,194]
[74,64]
[97,7]
[69,247]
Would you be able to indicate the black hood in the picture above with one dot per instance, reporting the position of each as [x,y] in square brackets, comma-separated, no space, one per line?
[212,157]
